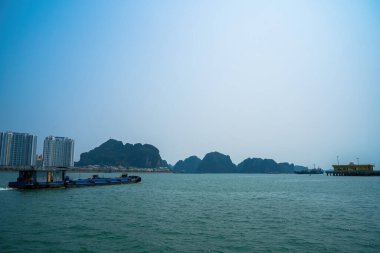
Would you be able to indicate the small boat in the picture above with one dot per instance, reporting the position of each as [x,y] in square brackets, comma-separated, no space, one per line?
[310,171]
[29,179]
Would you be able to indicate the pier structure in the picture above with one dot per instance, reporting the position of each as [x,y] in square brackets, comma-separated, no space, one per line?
[353,170]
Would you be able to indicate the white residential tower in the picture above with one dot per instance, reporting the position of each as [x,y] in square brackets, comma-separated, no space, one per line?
[58,152]
[17,149]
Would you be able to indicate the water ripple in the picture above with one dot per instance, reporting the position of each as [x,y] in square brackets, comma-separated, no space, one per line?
[197,213]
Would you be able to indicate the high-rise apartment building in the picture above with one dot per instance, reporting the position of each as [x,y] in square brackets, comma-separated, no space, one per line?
[17,149]
[58,152]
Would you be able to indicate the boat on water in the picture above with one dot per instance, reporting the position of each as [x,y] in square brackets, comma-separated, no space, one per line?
[310,171]
[33,179]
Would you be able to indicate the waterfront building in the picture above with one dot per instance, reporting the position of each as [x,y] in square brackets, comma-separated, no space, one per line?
[17,149]
[58,152]
[353,170]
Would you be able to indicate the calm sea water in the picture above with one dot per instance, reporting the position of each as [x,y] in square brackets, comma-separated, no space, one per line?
[196,213]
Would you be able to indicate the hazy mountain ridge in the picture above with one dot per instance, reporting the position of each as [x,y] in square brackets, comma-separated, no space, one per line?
[189,165]
[258,165]
[216,162]
[114,153]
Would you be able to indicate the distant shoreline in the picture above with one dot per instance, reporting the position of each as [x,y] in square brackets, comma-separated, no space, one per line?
[109,169]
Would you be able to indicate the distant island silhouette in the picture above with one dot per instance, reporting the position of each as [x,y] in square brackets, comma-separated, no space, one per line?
[115,153]
[216,162]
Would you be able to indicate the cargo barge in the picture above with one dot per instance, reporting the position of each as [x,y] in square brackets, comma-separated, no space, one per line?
[34,179]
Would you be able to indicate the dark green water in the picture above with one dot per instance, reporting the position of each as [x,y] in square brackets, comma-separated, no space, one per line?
[196,213]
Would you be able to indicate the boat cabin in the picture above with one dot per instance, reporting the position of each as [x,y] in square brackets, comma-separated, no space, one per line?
[34,176]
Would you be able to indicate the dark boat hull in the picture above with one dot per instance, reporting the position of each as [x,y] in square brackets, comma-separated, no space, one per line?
[307,172]
[75,183]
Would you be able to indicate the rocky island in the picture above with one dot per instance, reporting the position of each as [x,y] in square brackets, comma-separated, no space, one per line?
[216,162]
[116,154]
[146,157]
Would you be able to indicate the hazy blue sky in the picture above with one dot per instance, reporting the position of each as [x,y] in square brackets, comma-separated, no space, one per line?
[295,81]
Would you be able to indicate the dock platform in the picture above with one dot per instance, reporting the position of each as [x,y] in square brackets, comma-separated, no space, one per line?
[353,173]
